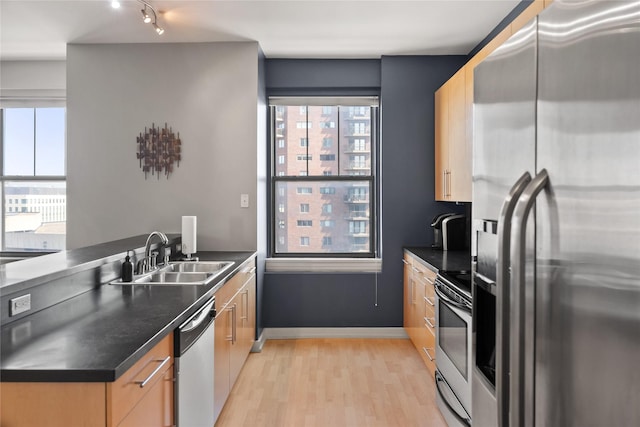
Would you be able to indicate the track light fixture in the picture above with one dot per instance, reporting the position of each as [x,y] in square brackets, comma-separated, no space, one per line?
[149,15]
[145,16]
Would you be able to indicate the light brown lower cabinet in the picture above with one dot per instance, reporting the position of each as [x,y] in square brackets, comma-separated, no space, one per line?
[123,403]
[419,309]
[234,331]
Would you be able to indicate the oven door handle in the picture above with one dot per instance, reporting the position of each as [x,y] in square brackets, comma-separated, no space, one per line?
[449,301]
[439,380]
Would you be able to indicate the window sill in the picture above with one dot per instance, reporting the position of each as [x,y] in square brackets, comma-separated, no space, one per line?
[323,265]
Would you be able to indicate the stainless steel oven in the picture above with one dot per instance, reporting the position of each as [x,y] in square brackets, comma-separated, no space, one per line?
[453,347]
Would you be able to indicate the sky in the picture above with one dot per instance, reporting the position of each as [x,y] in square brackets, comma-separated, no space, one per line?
[29,131]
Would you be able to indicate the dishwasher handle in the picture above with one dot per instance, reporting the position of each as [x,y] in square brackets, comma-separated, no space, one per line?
[189,331]
[196,320]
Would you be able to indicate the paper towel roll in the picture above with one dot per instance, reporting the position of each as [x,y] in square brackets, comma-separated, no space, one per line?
[189,231]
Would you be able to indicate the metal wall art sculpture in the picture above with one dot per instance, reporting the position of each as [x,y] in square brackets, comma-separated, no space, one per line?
[157,150]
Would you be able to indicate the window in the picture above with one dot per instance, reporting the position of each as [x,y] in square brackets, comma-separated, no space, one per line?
[303,110]
[358,144]
[358,128]
[33,172]
[357,227]
[281,160]
[281,143]
[327,190]
[333,180]
[281,207]
[281,223]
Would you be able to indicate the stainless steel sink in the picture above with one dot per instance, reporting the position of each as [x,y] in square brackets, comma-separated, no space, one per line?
[171,277]
[181,273]
[199,266]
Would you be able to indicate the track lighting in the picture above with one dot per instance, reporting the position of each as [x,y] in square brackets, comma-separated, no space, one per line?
[149,15]
[145,16]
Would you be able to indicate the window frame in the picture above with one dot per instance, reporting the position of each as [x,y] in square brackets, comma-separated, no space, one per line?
[26,178]
[373,181]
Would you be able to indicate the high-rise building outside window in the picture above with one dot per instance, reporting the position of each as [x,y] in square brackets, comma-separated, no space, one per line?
[329,172]
[33,179]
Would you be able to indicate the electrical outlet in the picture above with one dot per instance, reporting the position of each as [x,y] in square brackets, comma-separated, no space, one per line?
[244,200]
[20,305]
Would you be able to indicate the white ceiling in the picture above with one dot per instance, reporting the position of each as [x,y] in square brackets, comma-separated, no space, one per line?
[284,29]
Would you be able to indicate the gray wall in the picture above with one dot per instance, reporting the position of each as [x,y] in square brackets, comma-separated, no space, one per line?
[206,91]
[406,86]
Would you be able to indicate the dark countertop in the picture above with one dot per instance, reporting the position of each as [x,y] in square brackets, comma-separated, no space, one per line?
[439,260]
[98,335]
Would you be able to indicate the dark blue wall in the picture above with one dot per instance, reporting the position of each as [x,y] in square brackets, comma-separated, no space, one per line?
[406,86]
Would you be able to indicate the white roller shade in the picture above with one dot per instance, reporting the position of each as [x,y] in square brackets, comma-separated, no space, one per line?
[347,101]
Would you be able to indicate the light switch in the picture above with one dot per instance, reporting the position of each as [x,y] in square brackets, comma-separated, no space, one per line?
[244,200]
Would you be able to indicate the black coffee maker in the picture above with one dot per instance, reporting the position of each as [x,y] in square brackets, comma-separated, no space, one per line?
[449,231]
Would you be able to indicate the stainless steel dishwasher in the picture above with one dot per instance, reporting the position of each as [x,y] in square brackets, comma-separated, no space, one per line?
[194,345]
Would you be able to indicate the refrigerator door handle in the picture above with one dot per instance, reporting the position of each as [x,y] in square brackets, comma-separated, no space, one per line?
[502,298]
[517,340]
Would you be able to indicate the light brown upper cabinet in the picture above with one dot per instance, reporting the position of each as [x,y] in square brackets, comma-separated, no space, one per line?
[452,150]
[454,118]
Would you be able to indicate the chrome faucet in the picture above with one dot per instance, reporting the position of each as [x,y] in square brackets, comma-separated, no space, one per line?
[148,263]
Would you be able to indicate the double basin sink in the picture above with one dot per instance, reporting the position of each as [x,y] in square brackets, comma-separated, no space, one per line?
[181,273]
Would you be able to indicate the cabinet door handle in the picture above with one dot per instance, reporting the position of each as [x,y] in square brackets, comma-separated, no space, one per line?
[431,325]
[232,322]
[404,261]
[234,328]
[444,183]
[426,350]
[429,301]
[155,371]
[427,279]
[253,270]
[245,305]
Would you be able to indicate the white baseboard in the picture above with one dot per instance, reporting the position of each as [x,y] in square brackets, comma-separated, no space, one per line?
[293,333]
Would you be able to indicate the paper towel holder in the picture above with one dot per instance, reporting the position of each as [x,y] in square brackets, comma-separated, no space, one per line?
[189,238]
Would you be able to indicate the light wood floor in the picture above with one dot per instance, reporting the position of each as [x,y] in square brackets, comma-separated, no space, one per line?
[334,383]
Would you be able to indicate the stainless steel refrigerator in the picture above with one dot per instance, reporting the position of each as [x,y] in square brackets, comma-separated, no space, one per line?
[556,221]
